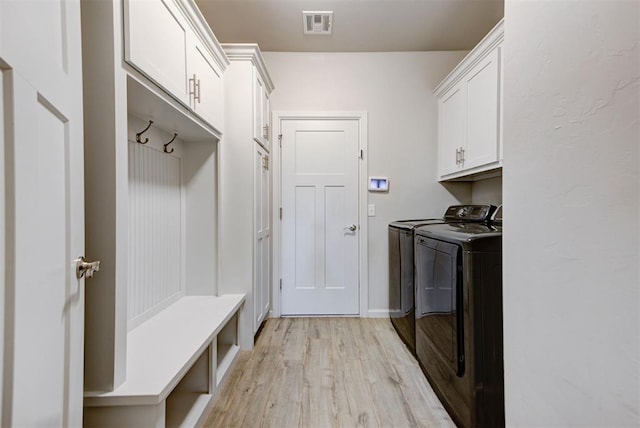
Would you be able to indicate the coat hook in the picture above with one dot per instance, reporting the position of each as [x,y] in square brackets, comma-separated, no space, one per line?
[164,146]
[139,134]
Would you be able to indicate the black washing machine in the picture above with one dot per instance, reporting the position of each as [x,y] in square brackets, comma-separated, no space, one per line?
[458,313]
[401,271]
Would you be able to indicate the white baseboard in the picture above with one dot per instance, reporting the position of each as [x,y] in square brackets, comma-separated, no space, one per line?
[378,313]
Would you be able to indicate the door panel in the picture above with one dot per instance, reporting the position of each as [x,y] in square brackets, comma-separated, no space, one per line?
[334,274]
[320,202]
[209,106]
[262,261]
[47,298]
[451,125]
[44,212]
[156,43]
[42,223]
[258,107]
[482,113]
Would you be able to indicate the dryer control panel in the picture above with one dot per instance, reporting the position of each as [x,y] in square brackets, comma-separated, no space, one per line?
[469,213]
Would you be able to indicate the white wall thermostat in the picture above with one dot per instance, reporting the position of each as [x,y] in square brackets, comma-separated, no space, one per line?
[378,184]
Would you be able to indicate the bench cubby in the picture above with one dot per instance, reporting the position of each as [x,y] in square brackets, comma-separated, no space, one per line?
[176,363]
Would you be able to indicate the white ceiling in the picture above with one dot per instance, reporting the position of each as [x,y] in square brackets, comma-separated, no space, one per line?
[359,25]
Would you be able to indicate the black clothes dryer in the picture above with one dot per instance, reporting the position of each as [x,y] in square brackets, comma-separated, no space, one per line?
[458,312]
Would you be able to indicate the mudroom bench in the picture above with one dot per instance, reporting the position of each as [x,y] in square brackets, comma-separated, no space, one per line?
[175,364]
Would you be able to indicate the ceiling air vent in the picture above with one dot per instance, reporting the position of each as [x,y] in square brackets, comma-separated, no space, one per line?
[319,23]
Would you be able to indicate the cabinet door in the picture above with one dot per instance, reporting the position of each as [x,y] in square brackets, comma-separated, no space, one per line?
[205,84]
[259,94]
[262,235]
[155,43]
[451,123]
[483,86]
[266,234]
[266,119]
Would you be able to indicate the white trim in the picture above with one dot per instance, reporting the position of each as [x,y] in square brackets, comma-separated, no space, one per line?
[480,51]
[249,52]
[200,26]
[378,313]
[363,236]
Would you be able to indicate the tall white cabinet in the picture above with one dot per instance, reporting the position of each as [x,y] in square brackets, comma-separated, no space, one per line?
[245,228]
[160,334]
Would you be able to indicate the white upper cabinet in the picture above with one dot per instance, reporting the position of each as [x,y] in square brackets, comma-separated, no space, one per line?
[156,43]
[205,84]
[451,130]
[164,41]
[470,112]
[261,111]
[483,104]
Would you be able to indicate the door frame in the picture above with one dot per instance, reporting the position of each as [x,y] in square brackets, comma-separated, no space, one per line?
[276,179]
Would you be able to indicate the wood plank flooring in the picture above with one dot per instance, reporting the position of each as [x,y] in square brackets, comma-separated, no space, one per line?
[327,372]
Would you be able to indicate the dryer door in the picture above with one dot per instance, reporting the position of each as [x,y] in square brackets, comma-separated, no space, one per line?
[439,304]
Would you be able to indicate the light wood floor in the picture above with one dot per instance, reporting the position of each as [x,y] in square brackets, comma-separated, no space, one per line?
[327,372]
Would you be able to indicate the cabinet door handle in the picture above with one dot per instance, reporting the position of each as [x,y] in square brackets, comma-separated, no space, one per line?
[265,132]
[457,156]
[461,155]
[195,92]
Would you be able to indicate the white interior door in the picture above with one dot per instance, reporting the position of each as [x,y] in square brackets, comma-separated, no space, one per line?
[41,113]
[320,217]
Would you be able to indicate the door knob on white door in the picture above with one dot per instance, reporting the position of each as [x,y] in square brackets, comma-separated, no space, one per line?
[352,227]
[84,267]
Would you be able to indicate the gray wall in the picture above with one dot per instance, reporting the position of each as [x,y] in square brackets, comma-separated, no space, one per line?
[396,91]
[571,187]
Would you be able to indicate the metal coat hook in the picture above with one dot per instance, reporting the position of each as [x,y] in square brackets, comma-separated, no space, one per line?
[164,146]
[139,134]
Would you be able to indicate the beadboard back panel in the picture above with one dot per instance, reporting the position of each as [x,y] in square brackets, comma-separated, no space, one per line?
[155,231]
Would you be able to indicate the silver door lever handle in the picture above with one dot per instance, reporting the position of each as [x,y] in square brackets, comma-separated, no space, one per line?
[352,228]
[84,267]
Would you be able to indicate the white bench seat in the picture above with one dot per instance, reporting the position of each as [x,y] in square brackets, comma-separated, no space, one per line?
[162,350]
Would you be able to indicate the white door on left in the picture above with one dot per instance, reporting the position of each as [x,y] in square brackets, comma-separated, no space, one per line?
[43,212]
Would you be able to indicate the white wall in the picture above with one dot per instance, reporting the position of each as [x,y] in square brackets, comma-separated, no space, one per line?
[396,91]
[488,191]
[571,187]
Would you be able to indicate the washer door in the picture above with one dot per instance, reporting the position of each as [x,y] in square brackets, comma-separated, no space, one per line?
[439,314]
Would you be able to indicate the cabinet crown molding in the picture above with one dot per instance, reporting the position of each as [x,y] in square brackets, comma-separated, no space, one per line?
[482,49]
[202,29]
[249,52]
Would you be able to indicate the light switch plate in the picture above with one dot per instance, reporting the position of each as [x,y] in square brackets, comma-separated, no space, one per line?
[371,210]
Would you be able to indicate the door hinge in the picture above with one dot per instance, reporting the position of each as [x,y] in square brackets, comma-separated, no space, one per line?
[280,139]
[361,154]
[280,283]
[280,213]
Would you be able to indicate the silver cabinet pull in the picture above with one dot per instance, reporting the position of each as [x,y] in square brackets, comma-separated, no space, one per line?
[461,155]
[84,267]
[457,156]
[352,227]
[195,92]
[265,132]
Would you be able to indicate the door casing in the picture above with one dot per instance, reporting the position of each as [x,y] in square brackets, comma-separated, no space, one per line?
[363,256]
